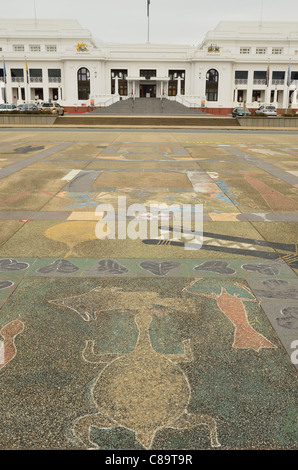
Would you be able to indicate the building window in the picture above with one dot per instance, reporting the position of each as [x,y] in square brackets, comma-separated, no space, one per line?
[54,75]
[122,81]
[0,49]
[277,50]
[35,48]
[173,82]
[35,75]
[17,75]
[278,78]
[147,73]
[241,77]
[244,50]
[51,48]
[212,85]
[18,48]
[260,77]
[294,75]
[83,84]
[261,50]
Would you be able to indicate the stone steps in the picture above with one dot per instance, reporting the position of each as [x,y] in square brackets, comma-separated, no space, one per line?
[147,106]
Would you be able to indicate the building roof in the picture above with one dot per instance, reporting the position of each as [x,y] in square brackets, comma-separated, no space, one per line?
[254,30]
[42,28]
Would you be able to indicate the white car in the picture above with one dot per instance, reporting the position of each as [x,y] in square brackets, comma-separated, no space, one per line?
[8,107]
[267,110]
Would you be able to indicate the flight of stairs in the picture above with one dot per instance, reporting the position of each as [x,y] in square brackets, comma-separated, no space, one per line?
[148,106]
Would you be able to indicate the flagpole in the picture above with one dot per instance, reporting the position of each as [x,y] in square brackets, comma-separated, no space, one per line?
[148,17]
[5,79]
[27,82]
[288,84]
[261,17]
[148,30]
[34,12]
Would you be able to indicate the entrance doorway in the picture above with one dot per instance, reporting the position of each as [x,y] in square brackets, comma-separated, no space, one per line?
[36,93]
[148,91]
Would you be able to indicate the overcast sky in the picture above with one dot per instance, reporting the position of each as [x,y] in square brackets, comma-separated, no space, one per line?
[171,21]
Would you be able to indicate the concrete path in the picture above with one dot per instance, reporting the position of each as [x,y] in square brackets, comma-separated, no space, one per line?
[146,341]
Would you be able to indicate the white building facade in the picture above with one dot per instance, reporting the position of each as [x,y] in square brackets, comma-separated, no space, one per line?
[237,63]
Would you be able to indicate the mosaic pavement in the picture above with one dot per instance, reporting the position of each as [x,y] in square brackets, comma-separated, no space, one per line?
[142,344]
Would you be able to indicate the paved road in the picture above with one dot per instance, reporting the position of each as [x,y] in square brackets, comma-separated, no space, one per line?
[141,340]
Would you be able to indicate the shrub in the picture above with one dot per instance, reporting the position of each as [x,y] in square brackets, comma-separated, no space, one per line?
[16,111]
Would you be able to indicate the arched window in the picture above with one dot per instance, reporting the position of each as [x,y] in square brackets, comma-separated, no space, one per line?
[83,84]
[212,85]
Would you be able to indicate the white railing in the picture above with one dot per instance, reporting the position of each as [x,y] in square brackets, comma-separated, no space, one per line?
[241,81]
[103,101]
[278,81]
[260,81]
[54,79]
[190,101]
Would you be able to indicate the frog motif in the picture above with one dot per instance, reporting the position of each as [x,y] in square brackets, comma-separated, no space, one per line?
[143,391]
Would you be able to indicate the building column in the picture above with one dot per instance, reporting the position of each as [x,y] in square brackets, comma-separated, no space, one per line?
[294,99]
[179,86]
[267,95]
[19,93]
[27,92]
[2,92]
[285,97]
[46,94]
[116,86]
[9,98]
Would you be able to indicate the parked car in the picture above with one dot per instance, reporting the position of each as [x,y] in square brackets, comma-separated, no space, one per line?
[8,107]
[267,111]
[54,107]
[240,112]
[27,107]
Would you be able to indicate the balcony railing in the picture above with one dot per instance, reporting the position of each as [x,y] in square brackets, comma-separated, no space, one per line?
[278,81]
[17,79]
[54,79]
[240,81]
[35,79]
[260,81]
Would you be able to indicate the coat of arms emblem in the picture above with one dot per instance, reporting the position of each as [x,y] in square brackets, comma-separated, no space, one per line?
[82,47]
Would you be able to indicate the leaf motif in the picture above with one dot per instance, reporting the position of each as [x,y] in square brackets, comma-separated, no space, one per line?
[60,266]
[220,267]
[290,312]
[159,269]
[266,269]
[111,266]
[7,265]
[5,284]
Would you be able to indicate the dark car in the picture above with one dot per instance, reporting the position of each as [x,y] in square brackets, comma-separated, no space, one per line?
[240,112]
[27,107]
